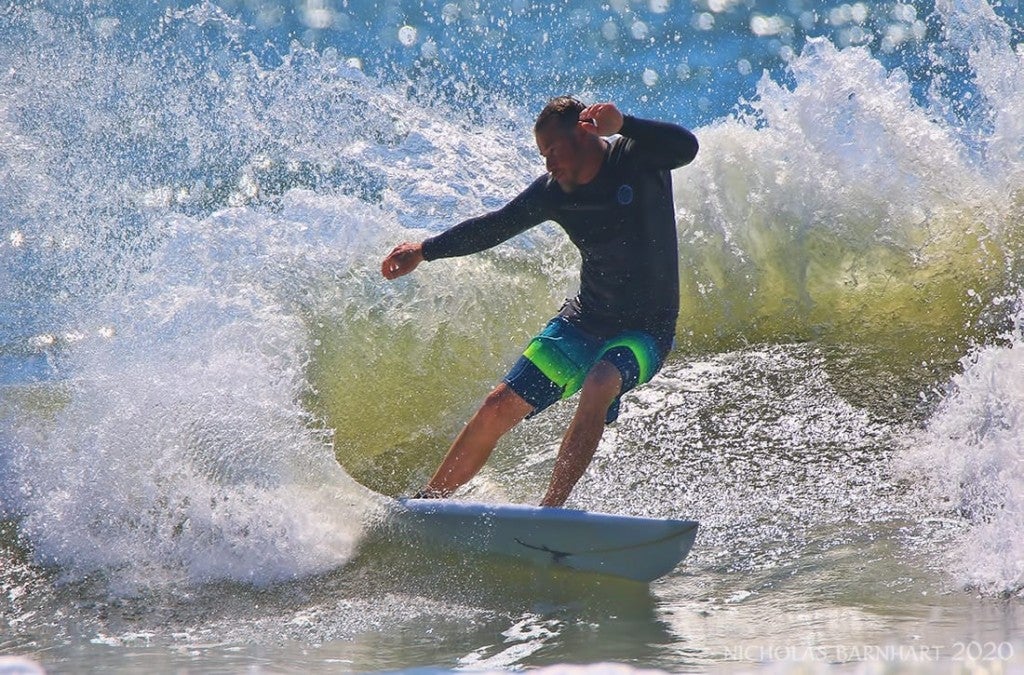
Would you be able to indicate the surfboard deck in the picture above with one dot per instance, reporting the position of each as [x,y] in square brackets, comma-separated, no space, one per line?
[630,547]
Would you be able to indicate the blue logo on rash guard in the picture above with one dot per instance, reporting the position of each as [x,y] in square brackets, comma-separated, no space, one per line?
[625,195]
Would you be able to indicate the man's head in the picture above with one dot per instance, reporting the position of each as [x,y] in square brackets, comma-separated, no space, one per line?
[563,111]
[569,152]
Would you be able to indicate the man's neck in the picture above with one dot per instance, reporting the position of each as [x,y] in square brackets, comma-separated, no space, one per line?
[593,159]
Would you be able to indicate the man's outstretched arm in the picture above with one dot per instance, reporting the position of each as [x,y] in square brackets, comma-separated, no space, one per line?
[471,236]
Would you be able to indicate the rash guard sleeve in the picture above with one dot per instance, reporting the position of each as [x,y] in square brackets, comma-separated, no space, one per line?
[659,145]
[489,230]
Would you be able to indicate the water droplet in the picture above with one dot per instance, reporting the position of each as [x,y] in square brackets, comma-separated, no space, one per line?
[450,13]
[704,21]
[610,31]
[719,6]
[859,12]
[316,14]
[106,26]
[904,12]
[407,36]
[761,25]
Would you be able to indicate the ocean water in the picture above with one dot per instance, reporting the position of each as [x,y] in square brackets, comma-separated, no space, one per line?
[207,392]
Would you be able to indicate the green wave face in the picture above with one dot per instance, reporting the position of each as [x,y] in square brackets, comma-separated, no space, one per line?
[397,375]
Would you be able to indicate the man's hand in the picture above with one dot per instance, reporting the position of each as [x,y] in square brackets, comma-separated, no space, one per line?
[601,119]
[403,259]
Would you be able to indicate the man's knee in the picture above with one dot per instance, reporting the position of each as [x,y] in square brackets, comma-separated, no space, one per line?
[603,383]
[504,404]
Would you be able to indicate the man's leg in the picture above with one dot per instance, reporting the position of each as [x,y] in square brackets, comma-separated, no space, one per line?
[602,385]
[501,410]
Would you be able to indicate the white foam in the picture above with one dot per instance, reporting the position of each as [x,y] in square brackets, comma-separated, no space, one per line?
[184,450]
[973,27]
[868,163]
[968,461]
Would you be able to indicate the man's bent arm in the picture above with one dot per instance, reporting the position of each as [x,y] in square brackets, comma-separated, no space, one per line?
[660,145]
[489,230]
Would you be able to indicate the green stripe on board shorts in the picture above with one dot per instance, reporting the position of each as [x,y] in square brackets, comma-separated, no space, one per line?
[556,362]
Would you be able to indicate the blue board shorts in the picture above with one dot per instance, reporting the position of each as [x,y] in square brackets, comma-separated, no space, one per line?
[556,362]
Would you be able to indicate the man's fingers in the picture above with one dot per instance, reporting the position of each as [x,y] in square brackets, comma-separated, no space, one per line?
[589,125]
[396,264]
[403,259]
[601,119]
[392,264]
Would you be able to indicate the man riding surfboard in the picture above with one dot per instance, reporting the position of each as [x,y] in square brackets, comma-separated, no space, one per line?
[613,197]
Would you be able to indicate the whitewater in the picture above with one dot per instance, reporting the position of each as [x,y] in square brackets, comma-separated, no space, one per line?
[208,394]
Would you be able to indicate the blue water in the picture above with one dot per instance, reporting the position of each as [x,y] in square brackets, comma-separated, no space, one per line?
[206,387]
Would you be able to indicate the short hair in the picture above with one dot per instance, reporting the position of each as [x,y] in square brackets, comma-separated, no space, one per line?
[564,110]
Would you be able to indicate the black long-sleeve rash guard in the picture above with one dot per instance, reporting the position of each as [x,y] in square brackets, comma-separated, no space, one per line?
[622,222]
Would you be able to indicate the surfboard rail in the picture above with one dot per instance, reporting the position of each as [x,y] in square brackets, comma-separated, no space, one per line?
[630,547]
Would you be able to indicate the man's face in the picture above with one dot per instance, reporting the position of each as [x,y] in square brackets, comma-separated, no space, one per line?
[561,151]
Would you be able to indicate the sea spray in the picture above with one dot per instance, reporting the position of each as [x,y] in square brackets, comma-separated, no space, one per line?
[967,463]
[183,450]
[838,208]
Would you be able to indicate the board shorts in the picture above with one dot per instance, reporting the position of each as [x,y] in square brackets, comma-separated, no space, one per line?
[556,362]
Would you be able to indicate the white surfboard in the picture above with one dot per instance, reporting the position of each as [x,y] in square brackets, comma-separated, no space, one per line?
[641,549]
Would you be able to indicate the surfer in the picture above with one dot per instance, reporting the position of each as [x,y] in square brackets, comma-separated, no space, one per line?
[613,197]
